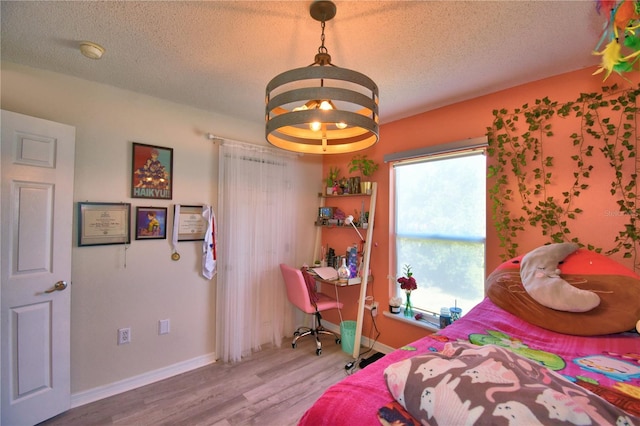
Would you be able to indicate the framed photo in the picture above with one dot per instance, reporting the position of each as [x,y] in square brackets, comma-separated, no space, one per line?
[104,223]
[151,223]
[152,172]
[191,225]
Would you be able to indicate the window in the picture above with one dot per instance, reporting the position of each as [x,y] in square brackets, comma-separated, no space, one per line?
[440,228]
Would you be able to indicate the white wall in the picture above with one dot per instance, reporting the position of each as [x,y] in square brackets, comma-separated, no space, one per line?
[113,287]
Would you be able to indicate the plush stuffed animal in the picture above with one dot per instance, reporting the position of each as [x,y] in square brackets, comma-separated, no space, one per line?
[541,279]
[617,287]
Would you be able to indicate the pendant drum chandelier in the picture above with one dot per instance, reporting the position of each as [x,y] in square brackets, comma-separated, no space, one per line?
[322,108]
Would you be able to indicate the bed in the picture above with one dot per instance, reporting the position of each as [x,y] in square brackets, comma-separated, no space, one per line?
[506,363]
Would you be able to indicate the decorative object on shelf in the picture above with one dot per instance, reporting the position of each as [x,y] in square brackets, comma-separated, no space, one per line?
[354,185]
[408,284]
[352,261]
[366,167]
[343,271]
[326,212]
[322,108]
[344,186]
[331,257]
[332,180]
[622,50]
[394,305]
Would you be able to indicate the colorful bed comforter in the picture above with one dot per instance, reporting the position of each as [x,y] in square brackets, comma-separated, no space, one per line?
[491,364]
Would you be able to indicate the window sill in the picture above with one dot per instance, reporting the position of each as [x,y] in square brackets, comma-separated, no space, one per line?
[428,322]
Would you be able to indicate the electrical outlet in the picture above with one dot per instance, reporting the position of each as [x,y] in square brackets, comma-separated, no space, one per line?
[164,326]
[124,336]
[371,306]
[374,309]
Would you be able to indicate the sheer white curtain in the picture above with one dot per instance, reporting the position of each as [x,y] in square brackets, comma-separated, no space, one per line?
[256,222]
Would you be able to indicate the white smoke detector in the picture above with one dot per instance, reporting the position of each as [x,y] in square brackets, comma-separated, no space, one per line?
[91,50]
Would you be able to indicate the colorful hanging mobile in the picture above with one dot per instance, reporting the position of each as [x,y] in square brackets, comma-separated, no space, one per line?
[622,35]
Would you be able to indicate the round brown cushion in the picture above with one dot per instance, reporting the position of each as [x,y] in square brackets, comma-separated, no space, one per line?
[617,286]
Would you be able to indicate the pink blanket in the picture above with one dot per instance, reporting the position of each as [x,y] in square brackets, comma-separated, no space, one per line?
[605,365]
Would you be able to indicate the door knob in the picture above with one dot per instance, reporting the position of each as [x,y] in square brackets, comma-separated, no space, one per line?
[59,286]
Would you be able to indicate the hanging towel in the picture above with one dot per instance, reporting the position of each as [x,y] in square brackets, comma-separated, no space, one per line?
[209,254]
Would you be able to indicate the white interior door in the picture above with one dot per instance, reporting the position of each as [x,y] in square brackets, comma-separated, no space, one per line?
[36,218]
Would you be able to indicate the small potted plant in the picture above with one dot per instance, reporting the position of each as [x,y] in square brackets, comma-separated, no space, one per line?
[332,179]
[366,167]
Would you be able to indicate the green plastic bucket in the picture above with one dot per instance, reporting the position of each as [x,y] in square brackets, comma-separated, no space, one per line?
[347,335]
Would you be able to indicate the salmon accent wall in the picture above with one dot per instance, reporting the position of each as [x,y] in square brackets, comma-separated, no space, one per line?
[463,120]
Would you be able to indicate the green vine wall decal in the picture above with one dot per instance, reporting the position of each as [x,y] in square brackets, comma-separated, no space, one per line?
[525,193]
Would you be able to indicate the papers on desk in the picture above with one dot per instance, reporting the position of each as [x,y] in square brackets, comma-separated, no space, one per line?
[326,273]
[330,274]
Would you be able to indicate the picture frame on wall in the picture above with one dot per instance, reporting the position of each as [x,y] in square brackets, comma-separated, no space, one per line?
[103,223]
[151,172]
[192,226]
[151,223]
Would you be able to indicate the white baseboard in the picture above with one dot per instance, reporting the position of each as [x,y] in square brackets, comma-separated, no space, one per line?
[95,394]
[101,392]
[365,341]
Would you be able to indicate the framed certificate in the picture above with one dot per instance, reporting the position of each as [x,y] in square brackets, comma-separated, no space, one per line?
[191,224]
[103,223]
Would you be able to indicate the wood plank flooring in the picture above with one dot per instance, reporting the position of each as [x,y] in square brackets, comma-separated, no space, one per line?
[272,387]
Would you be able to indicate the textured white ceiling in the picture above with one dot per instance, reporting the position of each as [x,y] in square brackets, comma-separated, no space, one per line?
[219,55]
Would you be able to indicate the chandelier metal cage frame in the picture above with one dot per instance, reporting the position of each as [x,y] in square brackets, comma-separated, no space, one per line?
[322,108]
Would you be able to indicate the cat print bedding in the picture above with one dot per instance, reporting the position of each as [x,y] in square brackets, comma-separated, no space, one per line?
[465,384]
[491,367]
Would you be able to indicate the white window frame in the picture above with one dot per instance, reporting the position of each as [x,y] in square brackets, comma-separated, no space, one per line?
[419,155]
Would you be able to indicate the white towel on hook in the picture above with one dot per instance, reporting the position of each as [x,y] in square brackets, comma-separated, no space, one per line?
[209,253]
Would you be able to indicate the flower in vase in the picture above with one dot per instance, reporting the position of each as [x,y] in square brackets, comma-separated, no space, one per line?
[407,282]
